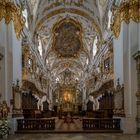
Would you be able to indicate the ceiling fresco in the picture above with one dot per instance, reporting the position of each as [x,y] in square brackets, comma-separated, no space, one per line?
[67,39]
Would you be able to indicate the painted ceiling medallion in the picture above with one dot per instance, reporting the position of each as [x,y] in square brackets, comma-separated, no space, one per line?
[67,39]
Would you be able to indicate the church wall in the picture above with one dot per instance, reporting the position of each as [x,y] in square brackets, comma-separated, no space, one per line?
[131,45]
[125,69]
[3,48]
[17,58]
[118,57]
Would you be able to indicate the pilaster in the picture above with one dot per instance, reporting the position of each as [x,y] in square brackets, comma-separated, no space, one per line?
[137,58]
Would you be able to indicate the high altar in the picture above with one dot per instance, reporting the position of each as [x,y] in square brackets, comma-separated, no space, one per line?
[67,99]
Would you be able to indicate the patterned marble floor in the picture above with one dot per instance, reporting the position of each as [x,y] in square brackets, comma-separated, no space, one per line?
[73,137]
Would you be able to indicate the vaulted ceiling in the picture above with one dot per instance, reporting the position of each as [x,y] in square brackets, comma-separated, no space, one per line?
[67,29]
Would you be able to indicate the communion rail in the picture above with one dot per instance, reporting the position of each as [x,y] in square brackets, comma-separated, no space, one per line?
[35,124]
[101,124]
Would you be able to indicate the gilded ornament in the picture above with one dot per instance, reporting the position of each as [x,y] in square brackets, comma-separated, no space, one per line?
[72,11]
[126,12]
[9,11]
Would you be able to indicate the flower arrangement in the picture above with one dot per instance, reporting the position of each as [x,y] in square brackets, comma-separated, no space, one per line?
[4,129]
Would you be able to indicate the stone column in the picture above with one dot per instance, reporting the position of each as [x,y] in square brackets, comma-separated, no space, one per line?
[137,58]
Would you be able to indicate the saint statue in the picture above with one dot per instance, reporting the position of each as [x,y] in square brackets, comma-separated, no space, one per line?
[4,109]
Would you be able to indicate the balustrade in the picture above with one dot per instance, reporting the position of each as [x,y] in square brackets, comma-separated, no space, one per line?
[101,124]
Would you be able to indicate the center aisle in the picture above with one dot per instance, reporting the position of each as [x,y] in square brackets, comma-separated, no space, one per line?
[75,125]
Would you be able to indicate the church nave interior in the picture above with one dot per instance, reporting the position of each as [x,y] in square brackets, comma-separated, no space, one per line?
[69,66]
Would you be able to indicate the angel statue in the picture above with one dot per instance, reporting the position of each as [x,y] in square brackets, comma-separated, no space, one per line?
[94,101]
[41,101]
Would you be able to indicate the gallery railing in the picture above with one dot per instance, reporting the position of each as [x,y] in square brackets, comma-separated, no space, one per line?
[35,124]
[101,124]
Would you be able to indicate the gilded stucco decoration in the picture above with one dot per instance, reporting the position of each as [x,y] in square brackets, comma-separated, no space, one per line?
[33,74]
[68,48]
[126,12]
[71,11]
[67,40]
[9,11]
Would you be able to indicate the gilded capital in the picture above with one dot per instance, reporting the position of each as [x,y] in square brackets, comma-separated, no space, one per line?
[9,11]
[126,11]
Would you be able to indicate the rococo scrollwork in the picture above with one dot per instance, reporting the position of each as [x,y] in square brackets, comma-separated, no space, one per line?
[9,11]
[127,10]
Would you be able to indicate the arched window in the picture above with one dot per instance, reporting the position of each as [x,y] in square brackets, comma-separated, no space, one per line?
[25,14]
[109,18]
[95,46]
[40,46]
